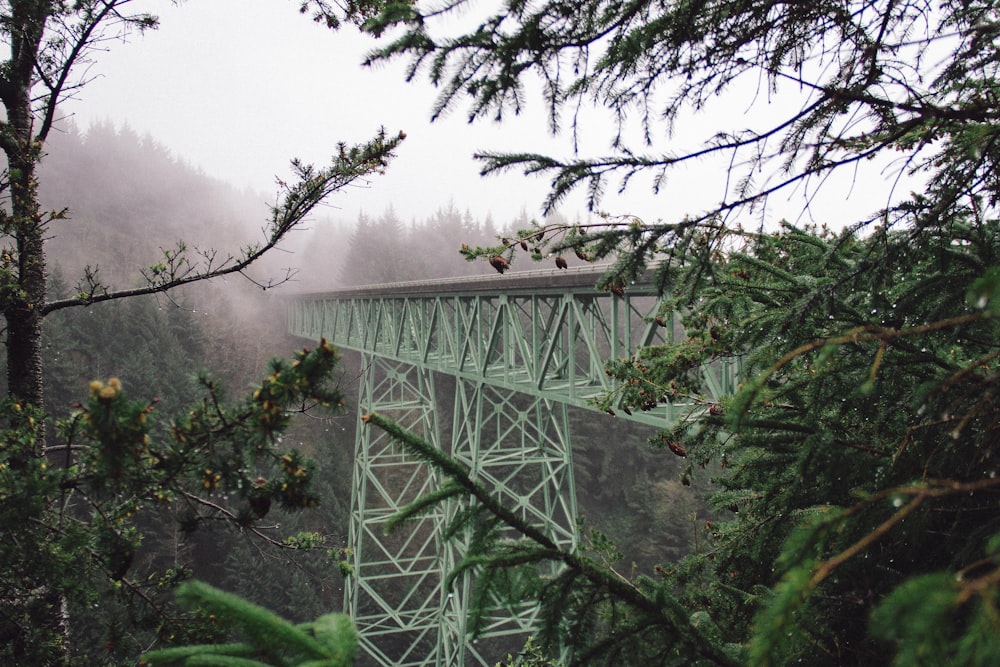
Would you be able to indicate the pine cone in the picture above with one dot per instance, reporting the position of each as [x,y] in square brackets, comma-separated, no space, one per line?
[499,263]
[677,448]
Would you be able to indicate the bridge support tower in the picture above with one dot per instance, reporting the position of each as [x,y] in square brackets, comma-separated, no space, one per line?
[514,443]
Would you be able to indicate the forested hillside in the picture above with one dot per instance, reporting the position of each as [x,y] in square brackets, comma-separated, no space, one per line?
[129,200]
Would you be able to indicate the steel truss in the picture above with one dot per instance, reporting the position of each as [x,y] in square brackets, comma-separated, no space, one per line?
[515,351]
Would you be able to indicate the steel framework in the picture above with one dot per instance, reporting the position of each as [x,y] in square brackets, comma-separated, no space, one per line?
[515,351]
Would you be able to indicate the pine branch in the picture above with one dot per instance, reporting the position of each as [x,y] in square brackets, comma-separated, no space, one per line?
[298,202]
[423,505]
[666,611]
[329,641]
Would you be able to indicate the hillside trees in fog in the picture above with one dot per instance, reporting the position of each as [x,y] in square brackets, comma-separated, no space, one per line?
[387,250]
[128,197]
[858,457]
[75,490]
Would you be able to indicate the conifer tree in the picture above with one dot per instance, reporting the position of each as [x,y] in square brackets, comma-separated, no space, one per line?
[74,529]
[100,455]
[858,455]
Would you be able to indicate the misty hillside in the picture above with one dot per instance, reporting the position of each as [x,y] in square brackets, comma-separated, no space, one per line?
[128,196]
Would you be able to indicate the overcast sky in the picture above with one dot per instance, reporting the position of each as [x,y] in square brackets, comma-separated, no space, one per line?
[238,87]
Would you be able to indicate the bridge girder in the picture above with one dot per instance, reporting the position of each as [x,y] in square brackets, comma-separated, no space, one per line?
[519,350]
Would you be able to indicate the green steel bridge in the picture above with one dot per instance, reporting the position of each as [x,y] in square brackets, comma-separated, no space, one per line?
[516,350]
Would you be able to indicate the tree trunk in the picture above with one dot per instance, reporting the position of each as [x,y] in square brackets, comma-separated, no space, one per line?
[23,311]
[23,288]
[24,291]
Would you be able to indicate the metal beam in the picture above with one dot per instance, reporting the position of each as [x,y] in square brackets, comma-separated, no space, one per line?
[516,351]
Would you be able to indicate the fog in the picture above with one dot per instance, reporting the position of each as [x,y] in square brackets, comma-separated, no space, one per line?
[239,87]
[129,198]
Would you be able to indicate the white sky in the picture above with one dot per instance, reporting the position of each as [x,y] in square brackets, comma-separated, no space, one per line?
[239,87]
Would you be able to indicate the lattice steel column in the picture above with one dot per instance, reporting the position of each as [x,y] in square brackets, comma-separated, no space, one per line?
[517,445]
[396,592]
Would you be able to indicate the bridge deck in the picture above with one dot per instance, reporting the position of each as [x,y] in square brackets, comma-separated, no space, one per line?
[544,333]
[513,282]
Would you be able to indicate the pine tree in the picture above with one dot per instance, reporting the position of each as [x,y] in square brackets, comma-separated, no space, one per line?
[99,456]
[857,457]
[220,462]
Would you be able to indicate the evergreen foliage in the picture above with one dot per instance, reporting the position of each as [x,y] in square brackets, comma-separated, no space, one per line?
[119,470]
[853,76]
[137,341]
[329,641]
[857,459]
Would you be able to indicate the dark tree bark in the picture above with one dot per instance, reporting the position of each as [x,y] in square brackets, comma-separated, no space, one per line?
[24,291]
